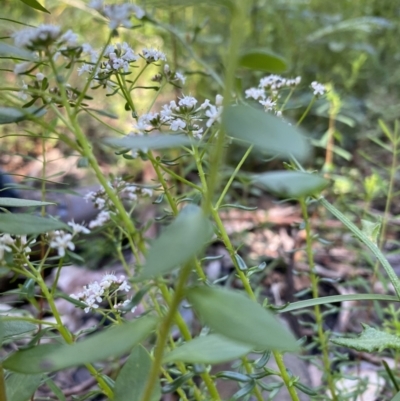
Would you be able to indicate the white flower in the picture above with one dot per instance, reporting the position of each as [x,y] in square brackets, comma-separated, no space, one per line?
[124,286]
[180,77]
[255,93]
[100,220]
[204,105]
[120,14]
[187,101]
[5,242]
[213,114]
[219,99]
[40,77]
[41,36]
[69,38]
[272,81]
[151,55]
[78,228]
[22,94]
[268,104]
[319,89]
[85,68]
[198,133]
[177,124]
[61,241]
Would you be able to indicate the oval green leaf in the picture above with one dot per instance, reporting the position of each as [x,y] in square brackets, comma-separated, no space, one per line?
[111,342]
[210,349]
[149,142]
[14,328]
[15,202]
[291,184]
[25,224]
[132,378]
[237,317]
[180,241]
[268,133]
[36,5]
[10,115]
[20,387]
[263,60]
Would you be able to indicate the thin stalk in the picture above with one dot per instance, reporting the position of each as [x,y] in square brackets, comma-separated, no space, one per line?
[317,310]
[3,395]
[303,116]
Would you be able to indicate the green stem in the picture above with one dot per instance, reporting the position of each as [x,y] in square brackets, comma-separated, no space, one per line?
[317,310]
[303,116]
[3,395]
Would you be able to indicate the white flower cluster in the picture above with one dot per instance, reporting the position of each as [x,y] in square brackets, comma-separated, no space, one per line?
[174,76]
[118,14]
[101,201]
[62,241]
[152,55]
[40,37]
[318,89]
[267,92]
[181,116]
[19,244]
[94,293]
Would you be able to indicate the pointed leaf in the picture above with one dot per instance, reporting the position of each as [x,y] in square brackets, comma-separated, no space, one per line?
[371,229]
[15,202]
[291,184]
[20,387]
[24,224]
[15,328]
[237,317]
[181,240]
[132,378]
[36,5]
[10,115]
[369,340]
[149,142]
[111,342]
[210,349]
[263,60]
[268,133]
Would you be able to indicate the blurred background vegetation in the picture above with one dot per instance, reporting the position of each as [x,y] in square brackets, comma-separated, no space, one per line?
[351,45]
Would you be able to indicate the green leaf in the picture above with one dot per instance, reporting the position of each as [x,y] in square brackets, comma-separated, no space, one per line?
[24,224]
[133,376]
[150,142]
[36,5]
[291,184]
[337,298]
[104,113]
[210,349]
[20,387]
[237,317]
[14,328]
[15,52]
[181,240]
[268,133]
[15,202]
[369,340]
[263,60]
[10,115]
[396,397]
[371,230]
[111,342]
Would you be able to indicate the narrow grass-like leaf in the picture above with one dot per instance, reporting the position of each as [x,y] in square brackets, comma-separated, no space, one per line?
[182,239]
[337,298]
[13,51]
[237,317]
[132,378]
[210,349]
[262,60]
[10,115]
[15,202]
[20,387]
[149,142]
[291,184]
[104,113]
[36,5]
[266,132]
[25,224]
[109,343]
[369,340]
[396,397]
